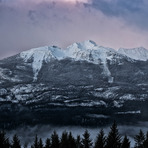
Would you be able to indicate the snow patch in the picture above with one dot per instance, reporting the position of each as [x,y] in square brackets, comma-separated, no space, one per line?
[117,104]
[130,112]
[6,77]
[127,97]
[135,53]
[3,91]
[97,116]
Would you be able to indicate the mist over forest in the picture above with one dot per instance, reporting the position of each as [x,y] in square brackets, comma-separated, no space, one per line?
[27,134]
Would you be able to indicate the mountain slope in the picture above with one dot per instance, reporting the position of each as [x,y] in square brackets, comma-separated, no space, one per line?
[40,55]
[73,85]
[50,60]
[135,53]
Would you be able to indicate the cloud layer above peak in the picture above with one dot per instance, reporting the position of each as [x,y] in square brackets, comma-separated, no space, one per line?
[132,11]
[25,24]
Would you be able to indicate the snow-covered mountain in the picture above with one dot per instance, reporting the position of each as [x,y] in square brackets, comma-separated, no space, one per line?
[87,51]
[135,53]
[33,61]
[37,62]
[85,75]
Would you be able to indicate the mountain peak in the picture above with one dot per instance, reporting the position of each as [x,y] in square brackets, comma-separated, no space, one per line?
[40,55]
[88,44]
[87,51]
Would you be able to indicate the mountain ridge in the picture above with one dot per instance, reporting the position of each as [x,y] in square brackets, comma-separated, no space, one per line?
[139,53]
[85,51]
[90,45]
[52,85]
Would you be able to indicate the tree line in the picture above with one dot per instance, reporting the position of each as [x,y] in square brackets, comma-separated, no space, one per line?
[112,140]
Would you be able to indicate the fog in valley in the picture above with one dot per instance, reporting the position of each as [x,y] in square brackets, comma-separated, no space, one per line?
[27,134]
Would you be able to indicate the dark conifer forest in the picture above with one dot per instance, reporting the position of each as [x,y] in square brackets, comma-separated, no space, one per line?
[111,140]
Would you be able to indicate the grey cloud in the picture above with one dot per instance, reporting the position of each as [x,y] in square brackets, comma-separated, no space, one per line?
[32,15]
[118,7]
[28,24]
[48,13]
[134,12]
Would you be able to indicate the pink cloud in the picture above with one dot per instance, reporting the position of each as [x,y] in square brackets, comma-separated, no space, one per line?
[27,25]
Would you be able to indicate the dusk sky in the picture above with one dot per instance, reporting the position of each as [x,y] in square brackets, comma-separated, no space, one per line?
[25,24]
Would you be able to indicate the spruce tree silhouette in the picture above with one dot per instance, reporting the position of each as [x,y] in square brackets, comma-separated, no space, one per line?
[125,142]
[4,142]
[78,142]
[25,145]
[114,138]
[40,143]
[139,140]
[71,141]
[15,142]
[7,143]
[146,141]
[36,143]
[54,140]
[47,143]
[101,140]
[86,141]
[64,140]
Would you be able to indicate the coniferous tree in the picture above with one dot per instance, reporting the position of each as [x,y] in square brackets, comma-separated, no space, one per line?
[146,141]
[25,145]
[40,143]
[36,143]
[54,140]
[2,139]
[47,143]
[86,141]
[125,142]
[64,140]
[139,140]
[15,142]
[7,143]
[4,142]
[78,142]
[114,138]
[101,140]
[71,141]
